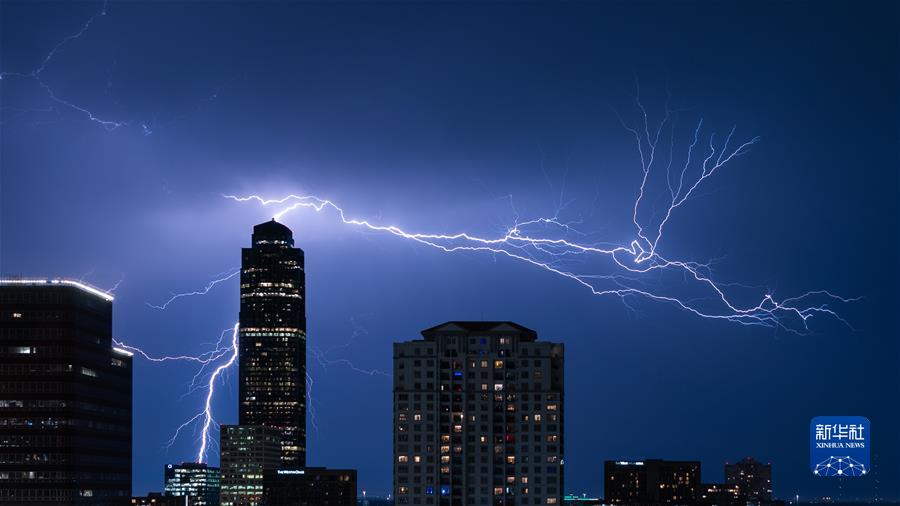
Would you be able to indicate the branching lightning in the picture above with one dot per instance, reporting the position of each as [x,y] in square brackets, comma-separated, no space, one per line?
[636,268]
[222,276]
[35,75]
[229,353]
[207,410]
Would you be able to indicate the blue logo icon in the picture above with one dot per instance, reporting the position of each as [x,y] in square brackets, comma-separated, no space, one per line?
[839,446]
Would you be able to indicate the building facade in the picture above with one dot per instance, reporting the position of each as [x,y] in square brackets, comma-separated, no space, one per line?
[247,452]
[478,417]
[721,494]
[272,390]
[311,486]
[159,499]
[651,482]
[754,478]
[198,482]
[65,396]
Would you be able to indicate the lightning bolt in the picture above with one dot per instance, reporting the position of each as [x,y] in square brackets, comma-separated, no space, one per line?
[207,410]
[219,278]
[118,283]
[630,269]
[35,75]
[204,359]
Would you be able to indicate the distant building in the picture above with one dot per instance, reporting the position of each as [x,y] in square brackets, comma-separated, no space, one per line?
[478,417]
[651,482]
[754,478]
[312,486]
[721,494]
[65,396]
[199,482]
[158,499]
[247,452]
[272,364]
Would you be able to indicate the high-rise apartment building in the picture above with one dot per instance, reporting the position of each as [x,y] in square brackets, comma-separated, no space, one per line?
[273,338]
[199,482]
[754,479]
[247,452]
[478,417]
[65,396]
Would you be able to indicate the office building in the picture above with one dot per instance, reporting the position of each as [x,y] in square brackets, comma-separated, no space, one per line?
[754,479]
[65,396]
[312,486]
[199,482]
[651,482]
[478,417]
[247,452]
[272,390]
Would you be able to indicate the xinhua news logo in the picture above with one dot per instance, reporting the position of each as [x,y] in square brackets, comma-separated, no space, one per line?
[839,446]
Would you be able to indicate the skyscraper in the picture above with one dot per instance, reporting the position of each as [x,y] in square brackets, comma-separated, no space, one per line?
[65,396]
[273,338]
[478,417]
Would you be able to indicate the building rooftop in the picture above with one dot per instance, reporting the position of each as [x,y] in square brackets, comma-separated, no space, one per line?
[271,230]
[479,327]
[81,285]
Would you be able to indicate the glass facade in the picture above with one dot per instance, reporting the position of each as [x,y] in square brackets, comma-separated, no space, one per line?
[199,482]
[247,453]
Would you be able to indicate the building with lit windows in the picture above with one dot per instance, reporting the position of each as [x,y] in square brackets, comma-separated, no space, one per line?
[158,499]
[651,482]
[754,478]
[311,486]
[478,417]
[272,390]
[198,482]
[65,396]
[247,452]
[721,494]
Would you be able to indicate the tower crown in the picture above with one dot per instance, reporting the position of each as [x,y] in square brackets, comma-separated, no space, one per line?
[272,232]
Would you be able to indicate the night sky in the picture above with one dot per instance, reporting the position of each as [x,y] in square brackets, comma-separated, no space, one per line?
[458,116]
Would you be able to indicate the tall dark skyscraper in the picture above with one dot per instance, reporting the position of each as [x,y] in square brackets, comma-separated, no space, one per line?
[273,338]
[65,396]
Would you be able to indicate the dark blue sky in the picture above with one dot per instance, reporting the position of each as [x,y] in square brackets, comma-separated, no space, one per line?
[426,115]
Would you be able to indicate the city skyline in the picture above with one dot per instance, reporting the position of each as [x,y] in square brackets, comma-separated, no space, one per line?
[129,160]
